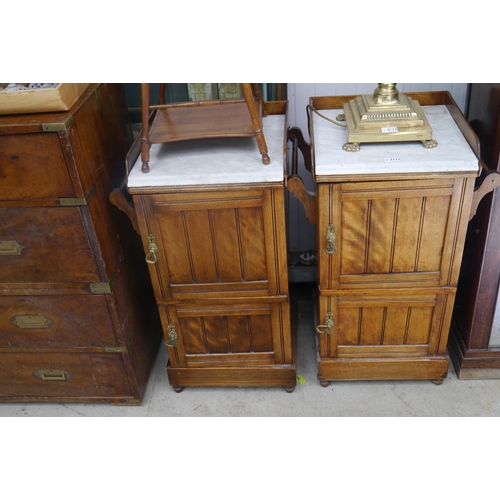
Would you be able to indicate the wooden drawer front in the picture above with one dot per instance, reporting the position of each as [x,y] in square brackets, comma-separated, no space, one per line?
[55,321]
[386,325]
[32,166]
[399,233]
[44,245]
[251,334]
[63,375]
[229,243]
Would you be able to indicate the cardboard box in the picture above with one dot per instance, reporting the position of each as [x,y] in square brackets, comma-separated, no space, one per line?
[60,98]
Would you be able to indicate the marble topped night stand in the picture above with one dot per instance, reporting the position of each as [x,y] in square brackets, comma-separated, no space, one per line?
[392,219]
[211,217]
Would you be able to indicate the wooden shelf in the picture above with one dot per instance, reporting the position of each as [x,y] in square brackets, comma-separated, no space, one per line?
[206,120]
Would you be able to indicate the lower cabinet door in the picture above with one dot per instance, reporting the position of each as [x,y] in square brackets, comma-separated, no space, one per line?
[383,335]
[247,344]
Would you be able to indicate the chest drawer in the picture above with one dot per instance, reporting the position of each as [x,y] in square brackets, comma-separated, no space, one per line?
[62,375]
[45,245]
[55,321]
[32,166]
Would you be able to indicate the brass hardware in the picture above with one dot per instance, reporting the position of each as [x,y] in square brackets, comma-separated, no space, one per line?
[386,116]
[134,402]
[104,288]
[152,256]
[328,326]
[52,375]
[172,336]
[31,322]
[10,247]
[78,202]
[60,126]
[330,239]
[115,349]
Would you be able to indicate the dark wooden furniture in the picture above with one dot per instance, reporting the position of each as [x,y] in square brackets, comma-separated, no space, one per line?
[474,353]
[214,239]
[75,320]
[390,242]
[164,123]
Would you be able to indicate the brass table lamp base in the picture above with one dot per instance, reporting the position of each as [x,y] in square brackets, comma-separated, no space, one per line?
[387,116]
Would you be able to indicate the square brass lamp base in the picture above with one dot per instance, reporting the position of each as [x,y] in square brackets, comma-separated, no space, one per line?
[387,116]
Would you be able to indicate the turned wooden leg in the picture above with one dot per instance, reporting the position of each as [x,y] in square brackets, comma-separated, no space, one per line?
[177,389]
[254,115]
[145,127]
[290,389]
[324,383]
[438,381]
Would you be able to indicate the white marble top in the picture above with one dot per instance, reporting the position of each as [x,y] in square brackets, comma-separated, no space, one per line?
[214,161]
[452,154]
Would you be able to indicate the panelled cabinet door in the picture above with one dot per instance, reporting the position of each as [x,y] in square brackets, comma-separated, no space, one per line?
[390,233]
[387,324]
[219,244]
[200,335]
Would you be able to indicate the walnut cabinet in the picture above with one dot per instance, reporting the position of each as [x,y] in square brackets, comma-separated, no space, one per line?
[212,222]
[391,224]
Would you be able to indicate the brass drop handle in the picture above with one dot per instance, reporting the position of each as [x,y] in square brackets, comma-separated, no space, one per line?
[172,336]
[330,239]
[152,256]
[328,326]
[10,247]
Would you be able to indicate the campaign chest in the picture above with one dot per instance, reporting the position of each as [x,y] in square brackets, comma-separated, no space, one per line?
[74,317]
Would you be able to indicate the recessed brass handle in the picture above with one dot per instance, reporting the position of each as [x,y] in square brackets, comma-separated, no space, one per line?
[10,248]
[172,336]
[152,256]
[330,239]
[31,322]
[328,326]
[52,375]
